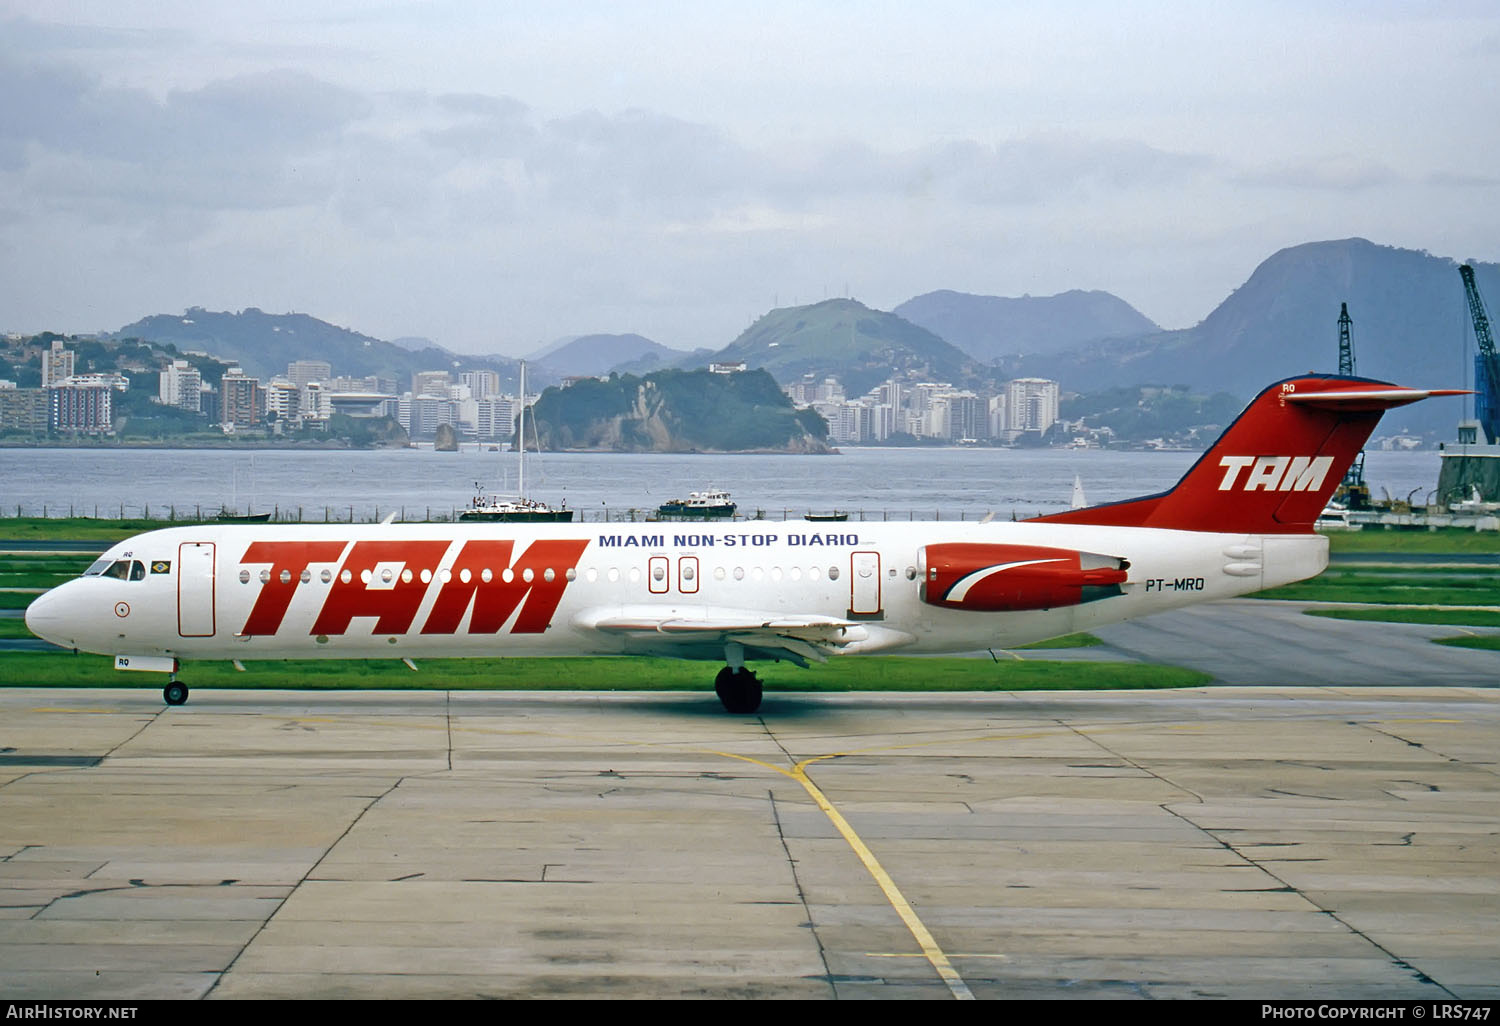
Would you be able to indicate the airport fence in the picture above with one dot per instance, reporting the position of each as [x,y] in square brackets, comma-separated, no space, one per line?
[349,514]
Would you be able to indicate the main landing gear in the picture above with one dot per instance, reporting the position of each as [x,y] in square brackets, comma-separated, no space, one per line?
[737,687]
[175,693]
[739,690]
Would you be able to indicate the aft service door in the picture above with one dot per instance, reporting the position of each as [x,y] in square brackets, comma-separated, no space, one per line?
[195,589]
[864,585]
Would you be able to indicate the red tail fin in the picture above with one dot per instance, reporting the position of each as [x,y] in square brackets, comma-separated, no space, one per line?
[1275,468]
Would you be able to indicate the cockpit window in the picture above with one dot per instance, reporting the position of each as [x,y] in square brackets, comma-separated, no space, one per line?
[120,569]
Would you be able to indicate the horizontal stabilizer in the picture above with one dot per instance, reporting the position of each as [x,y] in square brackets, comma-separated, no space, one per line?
[1369,399]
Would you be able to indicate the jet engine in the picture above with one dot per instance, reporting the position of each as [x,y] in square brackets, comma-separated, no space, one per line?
[1010,578]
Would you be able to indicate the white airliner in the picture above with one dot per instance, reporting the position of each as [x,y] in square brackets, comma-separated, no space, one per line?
[1240,520]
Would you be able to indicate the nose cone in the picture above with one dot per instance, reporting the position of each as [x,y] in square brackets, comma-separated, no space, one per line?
[47,618]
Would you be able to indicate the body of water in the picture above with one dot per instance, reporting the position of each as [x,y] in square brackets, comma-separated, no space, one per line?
[899,483]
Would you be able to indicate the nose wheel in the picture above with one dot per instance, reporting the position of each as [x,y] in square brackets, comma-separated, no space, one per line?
[738,689]
[175,693]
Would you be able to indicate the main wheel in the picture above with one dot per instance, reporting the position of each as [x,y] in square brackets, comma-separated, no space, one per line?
[739,690]
[175,693]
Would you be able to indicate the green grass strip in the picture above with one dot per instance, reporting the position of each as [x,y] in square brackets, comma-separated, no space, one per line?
[45,562]
[1066,641]
[1402,590]
[33,580]
[104,531]
[891,673]
[1488,642]
[14,627]
[1448,540]
[1400,614]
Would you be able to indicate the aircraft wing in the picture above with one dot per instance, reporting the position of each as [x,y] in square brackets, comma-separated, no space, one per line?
[703,632]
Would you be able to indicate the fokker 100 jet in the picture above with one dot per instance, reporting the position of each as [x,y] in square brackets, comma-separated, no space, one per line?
[1240,520]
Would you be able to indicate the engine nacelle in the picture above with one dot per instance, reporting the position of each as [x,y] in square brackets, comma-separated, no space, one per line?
[1010,578]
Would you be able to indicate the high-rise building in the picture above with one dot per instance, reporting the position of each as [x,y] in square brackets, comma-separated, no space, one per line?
[967,417]
[430,383]
[181,386]
[313,402]
[999,420]
[282,399]
[422,414]
[300,372]
[240,400]
[57,364]
[82,404]
[1032,404]
[25,409]
[482,383]
[495,417]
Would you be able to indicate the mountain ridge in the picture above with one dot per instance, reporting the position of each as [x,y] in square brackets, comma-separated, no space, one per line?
[990,327]
[1411,325]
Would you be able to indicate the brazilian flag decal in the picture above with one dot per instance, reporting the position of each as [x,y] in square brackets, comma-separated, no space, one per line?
[161,566]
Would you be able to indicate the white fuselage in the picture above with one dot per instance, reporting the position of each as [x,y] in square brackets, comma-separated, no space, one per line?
[441,590]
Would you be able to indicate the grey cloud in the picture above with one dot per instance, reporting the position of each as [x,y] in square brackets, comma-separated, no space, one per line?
[1027,170]
[281,138]
[280,109]
[479,127]
[1461,180]
[27,35]
[638,157]
[482,105]
[1337,174]
[249,141]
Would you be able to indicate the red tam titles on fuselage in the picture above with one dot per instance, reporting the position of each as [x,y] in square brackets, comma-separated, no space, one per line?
[480,587]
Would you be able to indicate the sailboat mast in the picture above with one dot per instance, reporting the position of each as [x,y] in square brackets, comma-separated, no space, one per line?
[521,436]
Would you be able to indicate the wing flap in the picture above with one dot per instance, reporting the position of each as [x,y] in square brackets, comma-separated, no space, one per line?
[797,637]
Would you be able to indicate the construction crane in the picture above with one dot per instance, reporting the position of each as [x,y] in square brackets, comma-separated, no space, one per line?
[1352,492]
[1346,347]
[1486,364]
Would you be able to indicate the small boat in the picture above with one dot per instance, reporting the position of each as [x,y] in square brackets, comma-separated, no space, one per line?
[520,510]
[1078,501]
[1335,517]
[515,511]
[1474,504]
[829,518]
[226,517]
[704,505]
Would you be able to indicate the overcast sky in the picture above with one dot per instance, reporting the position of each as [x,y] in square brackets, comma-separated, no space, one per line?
[497,175]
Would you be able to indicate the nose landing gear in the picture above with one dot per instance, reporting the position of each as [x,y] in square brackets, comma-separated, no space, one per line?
[175,693]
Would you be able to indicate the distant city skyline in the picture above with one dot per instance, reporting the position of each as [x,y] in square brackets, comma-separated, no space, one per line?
[494,178]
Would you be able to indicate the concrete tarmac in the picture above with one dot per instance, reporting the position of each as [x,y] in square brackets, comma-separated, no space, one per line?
[1255,641]
[1277,842]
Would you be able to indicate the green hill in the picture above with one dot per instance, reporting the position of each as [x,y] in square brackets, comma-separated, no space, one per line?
[677,411]
[264,344]
[845,339]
